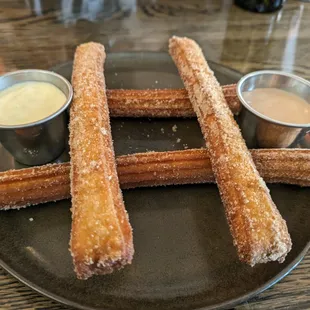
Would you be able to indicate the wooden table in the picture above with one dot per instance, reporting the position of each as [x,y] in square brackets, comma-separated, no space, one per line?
[41,34]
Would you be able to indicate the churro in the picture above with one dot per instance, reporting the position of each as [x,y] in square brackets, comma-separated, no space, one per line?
[101,236]
[160,102]
[260,233]
[30,186]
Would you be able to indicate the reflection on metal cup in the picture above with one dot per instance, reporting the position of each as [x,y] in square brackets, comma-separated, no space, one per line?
[42,141]
[29,136]
[38,144]
[260,131]
[270,135]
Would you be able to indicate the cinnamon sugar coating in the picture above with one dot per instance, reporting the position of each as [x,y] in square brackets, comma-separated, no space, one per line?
[160,102]
[101,236]
[30,186]
[259,232]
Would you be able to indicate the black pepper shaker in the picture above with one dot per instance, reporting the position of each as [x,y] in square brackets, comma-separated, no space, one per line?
[260,6]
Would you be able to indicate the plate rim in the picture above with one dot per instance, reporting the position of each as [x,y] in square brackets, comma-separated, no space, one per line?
[222,305]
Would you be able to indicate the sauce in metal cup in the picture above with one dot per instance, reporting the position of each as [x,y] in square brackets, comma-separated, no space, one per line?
[41,141]
[258,129]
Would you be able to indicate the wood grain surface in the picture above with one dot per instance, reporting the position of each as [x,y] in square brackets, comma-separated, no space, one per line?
[41,34]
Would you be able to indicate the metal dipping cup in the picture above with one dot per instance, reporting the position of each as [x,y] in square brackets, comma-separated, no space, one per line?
[260,131]
[44,140]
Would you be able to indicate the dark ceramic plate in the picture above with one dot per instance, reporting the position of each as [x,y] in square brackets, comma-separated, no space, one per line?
[184,254]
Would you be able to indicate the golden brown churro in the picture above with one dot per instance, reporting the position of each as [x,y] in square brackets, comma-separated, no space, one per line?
[160,102]
[24,187]
[259,232]
[101,236]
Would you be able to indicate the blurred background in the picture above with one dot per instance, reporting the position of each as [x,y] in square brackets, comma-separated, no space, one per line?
[229,34]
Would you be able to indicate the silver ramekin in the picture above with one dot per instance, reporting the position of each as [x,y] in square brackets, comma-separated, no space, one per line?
[261,131]
[41,141]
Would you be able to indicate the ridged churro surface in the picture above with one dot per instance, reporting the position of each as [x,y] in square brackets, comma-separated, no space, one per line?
[160,102]
[24,187]
[101,237]
[259,232]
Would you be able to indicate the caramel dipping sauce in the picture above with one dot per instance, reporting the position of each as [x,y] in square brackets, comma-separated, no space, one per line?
[279,105]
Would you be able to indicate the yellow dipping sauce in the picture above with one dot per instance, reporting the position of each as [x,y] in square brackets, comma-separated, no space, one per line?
[28,102]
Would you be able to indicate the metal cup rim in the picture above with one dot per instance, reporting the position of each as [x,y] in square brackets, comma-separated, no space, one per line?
[260,115]
[49,117]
